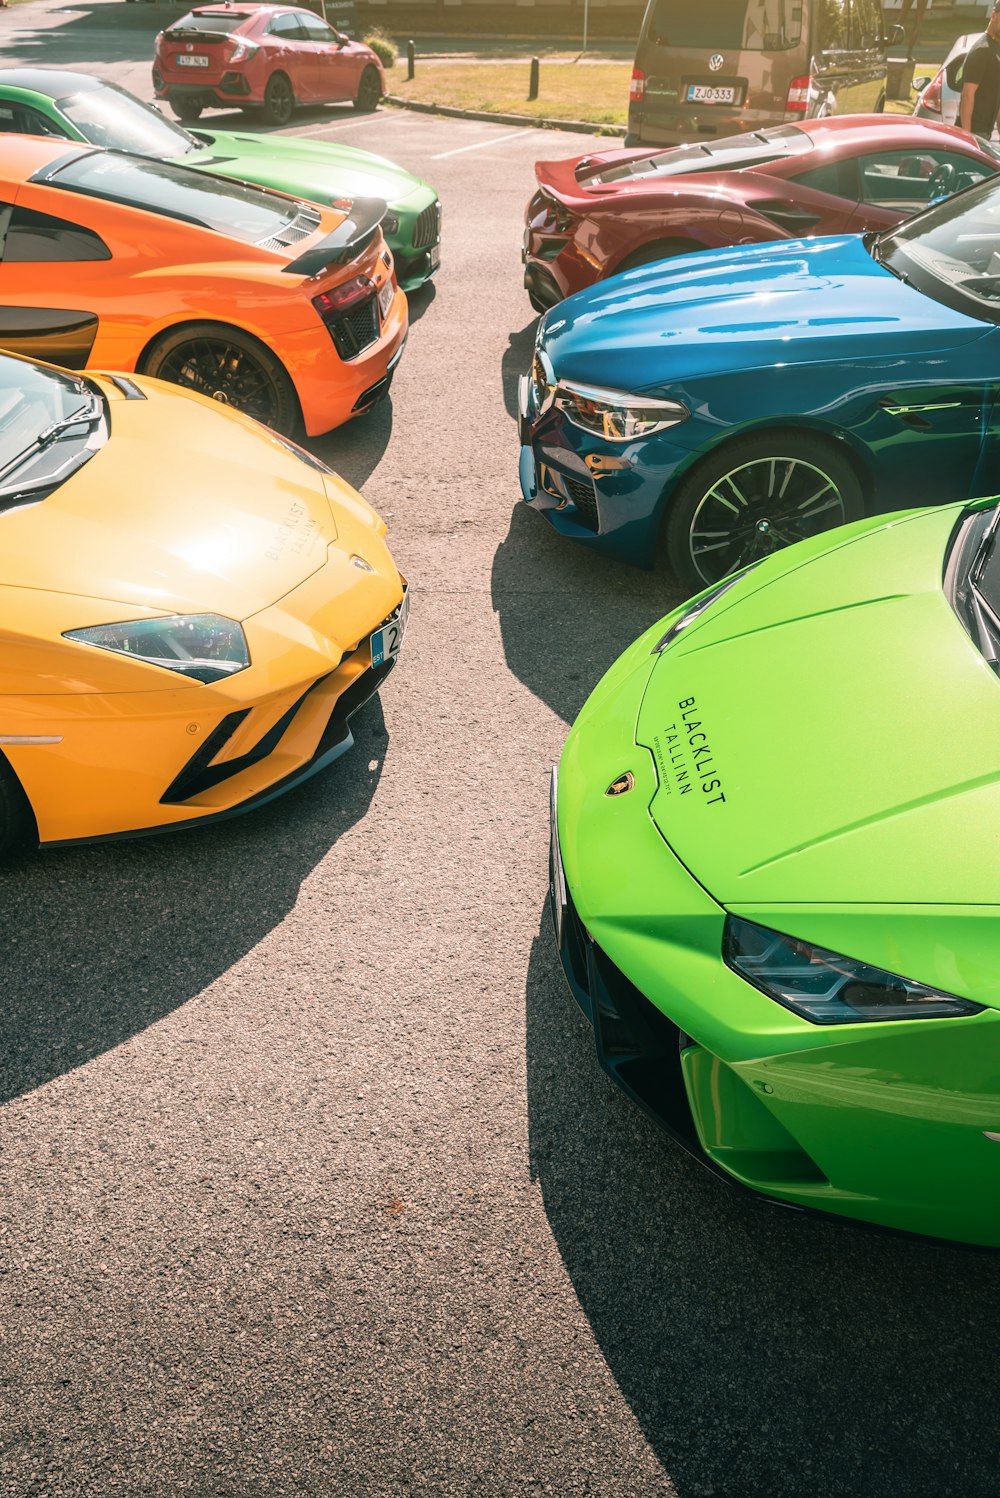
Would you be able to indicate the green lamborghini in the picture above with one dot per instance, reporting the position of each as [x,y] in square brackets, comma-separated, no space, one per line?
[775,873]
[51,101]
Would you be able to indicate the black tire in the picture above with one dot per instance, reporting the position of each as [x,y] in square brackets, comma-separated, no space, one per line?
[17,821]
[279,100]
[776,488]
[369,91]
[229,366]
[880,104]
[186,108]
[663,249]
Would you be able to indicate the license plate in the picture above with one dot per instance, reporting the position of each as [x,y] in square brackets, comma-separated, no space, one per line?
[702,93]
[434,256]
[385,297]
[194,61]
[386,642]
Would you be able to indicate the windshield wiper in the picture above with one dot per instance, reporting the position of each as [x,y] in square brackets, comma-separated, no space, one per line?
[85,415]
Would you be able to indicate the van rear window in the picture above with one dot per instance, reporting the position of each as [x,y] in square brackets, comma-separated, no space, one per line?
[728,25]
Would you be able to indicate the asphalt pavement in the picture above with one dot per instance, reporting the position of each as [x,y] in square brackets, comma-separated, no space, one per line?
[311,1184]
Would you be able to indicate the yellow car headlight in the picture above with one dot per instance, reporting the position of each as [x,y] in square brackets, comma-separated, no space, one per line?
[202,647]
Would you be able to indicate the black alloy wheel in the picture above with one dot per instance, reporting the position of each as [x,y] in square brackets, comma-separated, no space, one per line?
[369,91]
[186,108]
[279,101]
[754,497]
[229,367]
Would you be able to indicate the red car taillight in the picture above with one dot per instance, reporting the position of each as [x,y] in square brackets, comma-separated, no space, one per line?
[342,298]
[242,49]
[931,96]
[637,88]
[798,95]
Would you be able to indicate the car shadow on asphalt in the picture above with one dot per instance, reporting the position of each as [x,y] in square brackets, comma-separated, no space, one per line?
[89,33]
[355,449]
[516,362]
[566,613]
[761,1350]
[100,942]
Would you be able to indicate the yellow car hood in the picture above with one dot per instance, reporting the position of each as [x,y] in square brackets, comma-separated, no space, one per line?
[179,512]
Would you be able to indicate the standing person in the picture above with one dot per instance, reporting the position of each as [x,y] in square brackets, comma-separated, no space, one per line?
[980,104]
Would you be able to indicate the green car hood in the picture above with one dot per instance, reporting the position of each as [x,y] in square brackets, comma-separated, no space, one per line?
[317,170]
[828,734]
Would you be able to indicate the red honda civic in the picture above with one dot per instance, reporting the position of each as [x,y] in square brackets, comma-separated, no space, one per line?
[267,58]
[596,215]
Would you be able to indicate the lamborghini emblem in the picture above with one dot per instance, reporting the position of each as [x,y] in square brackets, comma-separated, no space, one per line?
[621,785]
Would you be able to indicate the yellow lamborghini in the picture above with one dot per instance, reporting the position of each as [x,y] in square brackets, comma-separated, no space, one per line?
[191,608]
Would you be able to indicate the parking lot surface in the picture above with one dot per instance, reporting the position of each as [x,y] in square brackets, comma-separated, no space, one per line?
[311,1183]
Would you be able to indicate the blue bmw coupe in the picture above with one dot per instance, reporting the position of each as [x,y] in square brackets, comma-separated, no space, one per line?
[734,401]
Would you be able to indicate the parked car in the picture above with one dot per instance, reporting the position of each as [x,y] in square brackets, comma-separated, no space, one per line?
[288,311]
[711,70]
[784,929]
[266,58]
[53,101]
[609,211]
[192,608]
[737,400]
[937,100]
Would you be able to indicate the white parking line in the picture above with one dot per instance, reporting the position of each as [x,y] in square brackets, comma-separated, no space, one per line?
[494,140]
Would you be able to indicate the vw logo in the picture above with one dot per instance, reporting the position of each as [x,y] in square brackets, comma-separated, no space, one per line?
[715,62]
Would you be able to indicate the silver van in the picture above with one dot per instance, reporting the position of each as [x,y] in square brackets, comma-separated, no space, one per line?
[716,68]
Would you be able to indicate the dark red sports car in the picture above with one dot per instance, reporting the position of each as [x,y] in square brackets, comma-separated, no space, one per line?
[266,58]
[593,216]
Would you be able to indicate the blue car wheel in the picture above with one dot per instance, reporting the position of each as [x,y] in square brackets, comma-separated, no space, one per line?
[754,496]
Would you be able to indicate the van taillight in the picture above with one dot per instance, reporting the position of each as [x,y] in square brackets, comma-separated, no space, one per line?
[343,298]
[931,96]
[637,88]
[798,95]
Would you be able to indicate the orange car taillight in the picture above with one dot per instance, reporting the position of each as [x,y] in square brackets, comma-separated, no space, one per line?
[798,95]
[931,96]
[342,298]
[637,88]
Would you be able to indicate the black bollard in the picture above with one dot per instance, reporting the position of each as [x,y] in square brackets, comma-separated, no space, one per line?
[411,57]
[533,83]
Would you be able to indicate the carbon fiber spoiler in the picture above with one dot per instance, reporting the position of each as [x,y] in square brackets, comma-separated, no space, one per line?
[358,228]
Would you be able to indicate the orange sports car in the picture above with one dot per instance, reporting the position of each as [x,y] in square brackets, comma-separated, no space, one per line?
[287,310]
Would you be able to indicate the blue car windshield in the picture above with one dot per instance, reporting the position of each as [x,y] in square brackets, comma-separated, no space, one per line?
[951,251]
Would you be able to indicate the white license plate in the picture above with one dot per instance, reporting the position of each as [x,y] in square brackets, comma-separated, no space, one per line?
[385,297]
[194,61]
[701,93]
[434,254]
[386,642]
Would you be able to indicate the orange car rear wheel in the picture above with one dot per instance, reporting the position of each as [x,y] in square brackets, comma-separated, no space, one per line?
[17,820]
[229,366]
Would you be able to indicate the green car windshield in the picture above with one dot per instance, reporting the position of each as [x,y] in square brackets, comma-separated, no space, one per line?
[108,116]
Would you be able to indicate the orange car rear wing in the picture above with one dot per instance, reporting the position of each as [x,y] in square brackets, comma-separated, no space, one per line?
[348,240]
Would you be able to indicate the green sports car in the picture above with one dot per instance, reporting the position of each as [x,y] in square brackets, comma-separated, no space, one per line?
[50,101]
[775,871]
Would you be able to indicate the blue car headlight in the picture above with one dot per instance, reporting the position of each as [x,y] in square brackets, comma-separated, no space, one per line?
[616,415]
[825,987]
[202,647]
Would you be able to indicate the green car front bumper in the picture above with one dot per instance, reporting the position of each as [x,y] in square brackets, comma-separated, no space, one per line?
[884,1122]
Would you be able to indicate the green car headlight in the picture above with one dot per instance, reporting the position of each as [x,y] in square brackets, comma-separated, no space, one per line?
[698,607]
[614,414]
[203,647]
[824,987]
[390,223]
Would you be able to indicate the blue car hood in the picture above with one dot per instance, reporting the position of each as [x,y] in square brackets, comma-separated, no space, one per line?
[805,300]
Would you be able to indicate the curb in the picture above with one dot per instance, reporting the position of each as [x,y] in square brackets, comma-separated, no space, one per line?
[581,126]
